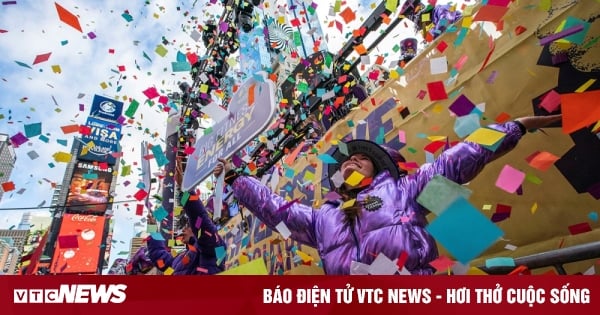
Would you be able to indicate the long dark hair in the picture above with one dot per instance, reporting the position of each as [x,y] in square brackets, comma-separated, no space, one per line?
[351,213]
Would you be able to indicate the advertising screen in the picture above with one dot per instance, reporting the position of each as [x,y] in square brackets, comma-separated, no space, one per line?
[78,246]
[106,108]
[100,140]
[89,189]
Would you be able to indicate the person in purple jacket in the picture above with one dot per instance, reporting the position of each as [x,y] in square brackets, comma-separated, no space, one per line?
[428,19]
[384,217]
[199,234]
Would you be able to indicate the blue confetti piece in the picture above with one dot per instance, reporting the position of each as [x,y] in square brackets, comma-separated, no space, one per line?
[159,156]
[500,262]
[160,213]
[32,130]
[220,253]
[464,231]
[22,64]
[157,236]
[327,159]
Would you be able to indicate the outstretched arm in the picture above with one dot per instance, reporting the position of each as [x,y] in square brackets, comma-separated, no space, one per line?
[465,160]
[271,208]
[537,122]
[202,226]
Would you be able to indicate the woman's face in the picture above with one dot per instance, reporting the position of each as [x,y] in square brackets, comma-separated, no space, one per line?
[358,163]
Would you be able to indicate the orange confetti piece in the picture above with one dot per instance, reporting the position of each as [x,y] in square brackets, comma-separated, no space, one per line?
[67,17]
[348,15]
[360,49]
[251,94]
[70,129]
[8,186]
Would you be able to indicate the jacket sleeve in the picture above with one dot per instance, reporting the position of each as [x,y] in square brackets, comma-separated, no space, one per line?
[443,17]
[464,161]
[185,262]
[272,209]
[208,238]
[159,254]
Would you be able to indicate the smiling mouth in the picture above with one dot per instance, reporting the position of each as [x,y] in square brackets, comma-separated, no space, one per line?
[352,163]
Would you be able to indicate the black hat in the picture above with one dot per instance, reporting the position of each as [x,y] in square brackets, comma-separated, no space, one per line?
[380,156]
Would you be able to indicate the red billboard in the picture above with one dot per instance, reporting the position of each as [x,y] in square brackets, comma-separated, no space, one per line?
[78,245]
[89,189]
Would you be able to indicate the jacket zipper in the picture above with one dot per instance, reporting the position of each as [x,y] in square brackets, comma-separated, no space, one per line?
[356,241]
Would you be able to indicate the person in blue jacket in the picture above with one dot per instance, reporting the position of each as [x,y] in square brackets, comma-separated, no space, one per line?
[199,234]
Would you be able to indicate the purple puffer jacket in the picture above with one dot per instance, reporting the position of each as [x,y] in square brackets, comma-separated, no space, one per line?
[443,17]
[380,231]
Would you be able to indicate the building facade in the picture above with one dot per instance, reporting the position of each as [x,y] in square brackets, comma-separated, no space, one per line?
[7,160]
[9,256]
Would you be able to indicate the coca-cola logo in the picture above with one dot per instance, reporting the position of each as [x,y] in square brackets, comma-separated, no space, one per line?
[83,218]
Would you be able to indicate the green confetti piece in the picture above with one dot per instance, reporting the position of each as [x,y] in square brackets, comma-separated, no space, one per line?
[533,179]
[161,50]
[132,108]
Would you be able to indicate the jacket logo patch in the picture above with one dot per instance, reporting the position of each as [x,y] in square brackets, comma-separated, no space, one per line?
[372,203]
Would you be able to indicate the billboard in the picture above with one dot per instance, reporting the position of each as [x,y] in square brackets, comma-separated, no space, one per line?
[252,108]
[106,108]
[89,188]
[281,256]
[105,138]
[79,242]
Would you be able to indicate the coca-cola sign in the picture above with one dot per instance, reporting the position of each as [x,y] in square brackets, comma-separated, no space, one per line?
[84,218]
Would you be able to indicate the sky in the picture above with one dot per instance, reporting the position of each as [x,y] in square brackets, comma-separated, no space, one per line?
[112,56]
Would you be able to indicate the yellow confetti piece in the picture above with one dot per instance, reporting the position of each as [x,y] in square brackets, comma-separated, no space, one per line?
[474,271]
[437,108]
[436,138]
[596,127]
[467,21]
[171,243]
[103,85]
[545,5]
[487,207]
[309,176]
[585,86]
[485,136]
[203,88]
[531,73]
[62,157]
[56,69]
[169,271]
[305,257]
[253,267]
[354,179]
[161,50]
[348,204]
[534,208]
[177,210]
